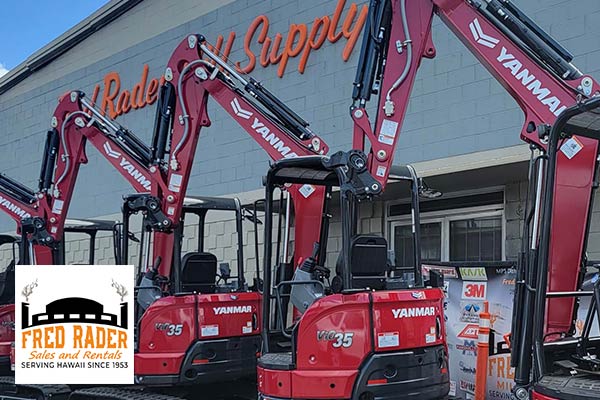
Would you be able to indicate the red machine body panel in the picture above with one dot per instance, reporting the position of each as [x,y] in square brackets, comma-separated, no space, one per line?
[171,324]
[334,334]
[178,310]
[229,315]
[409,319]
[276,383]
[7,328]
[538,396]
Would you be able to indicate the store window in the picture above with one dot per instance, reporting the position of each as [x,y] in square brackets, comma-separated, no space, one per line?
[473,233]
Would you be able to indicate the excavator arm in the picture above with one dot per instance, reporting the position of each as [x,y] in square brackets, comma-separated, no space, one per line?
[40,215]
[537,72]
[194,74]
[162,171]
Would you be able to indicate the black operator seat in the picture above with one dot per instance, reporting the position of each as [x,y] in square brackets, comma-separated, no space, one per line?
[199,272]
[7,277]
[368,261]
[7,284]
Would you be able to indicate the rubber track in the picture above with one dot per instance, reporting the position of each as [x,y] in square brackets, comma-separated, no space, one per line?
[111,393]
[47,391]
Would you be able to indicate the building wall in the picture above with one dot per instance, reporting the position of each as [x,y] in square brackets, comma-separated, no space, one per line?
[456,108]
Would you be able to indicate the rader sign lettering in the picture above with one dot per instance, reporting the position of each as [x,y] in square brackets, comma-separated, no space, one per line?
[81,334]
[260,45]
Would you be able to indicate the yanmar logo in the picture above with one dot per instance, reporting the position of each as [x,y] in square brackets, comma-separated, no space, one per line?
[13,208]
[128,166]
[260,128]
[232,310]
[135,173]
[530,82]
[413,312]
[509,61]
[272,139]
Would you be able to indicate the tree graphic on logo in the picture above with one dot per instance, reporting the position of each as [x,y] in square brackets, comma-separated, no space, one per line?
[121,291]
[28,289]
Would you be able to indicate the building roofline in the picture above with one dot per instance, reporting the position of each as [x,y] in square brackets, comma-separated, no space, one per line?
[96,21]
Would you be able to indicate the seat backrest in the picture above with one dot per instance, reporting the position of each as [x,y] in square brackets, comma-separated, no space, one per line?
[199,272]
[368,261]
[7,284]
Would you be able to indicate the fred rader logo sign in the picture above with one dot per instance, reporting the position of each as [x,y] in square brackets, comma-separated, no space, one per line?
[74,324]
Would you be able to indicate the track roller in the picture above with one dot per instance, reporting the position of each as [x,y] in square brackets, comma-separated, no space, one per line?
[10,391]
[113,393]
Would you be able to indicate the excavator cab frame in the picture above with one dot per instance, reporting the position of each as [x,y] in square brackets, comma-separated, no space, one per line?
[199,206]
[566,368]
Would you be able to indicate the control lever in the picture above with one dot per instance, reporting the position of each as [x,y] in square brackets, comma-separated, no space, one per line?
[132,237]
[302,295]
[148,292]
[309,265]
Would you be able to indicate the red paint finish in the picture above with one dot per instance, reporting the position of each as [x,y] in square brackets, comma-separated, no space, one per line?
[231,313]
[344,315]
[275,383]
[153,336]
[326,365]
[7,328]
[212,316]
[537,396]
[306,384]
[310,384]
[158,363]
[417,322]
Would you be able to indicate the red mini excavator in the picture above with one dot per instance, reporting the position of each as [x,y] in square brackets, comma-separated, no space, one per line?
[538,73]
[376,331]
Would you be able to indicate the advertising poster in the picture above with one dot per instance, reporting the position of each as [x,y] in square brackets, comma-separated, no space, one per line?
[80,334]
[467,287]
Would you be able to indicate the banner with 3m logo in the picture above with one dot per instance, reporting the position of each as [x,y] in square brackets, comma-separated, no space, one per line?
[466,290]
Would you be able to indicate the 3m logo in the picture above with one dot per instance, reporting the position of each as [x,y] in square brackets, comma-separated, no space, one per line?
[470,331]
[474,290]
[480,37]
[238,110]
[469,347]
[110,152]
